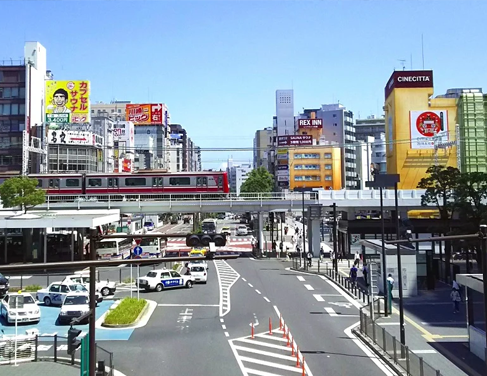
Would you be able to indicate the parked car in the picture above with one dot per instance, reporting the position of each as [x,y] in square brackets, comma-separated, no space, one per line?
[20,306]
[4,285]
[242,230]
[160,279]
[56,292]
[226,231]
[149,225]
[75,304]
[105,288]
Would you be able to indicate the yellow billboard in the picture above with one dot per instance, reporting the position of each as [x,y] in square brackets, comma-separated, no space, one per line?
[67,102]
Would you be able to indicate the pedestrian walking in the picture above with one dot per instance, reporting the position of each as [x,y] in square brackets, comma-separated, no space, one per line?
[365,272]
[310,258]
[357,259]
[322,253]
[340,256]
[353,274]
[456,299]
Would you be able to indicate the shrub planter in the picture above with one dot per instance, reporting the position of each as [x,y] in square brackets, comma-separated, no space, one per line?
[136,321]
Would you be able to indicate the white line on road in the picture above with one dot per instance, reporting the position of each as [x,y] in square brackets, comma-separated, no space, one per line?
[388,323]
[318,297]
[250,285]
[425,351]
[224,327]
[270,364]
[251,371]
[222,320]
[300,278]
[309,287]
[258,292]
[267,300]
[226,334]
[243,279]
[331,311]
[188,305]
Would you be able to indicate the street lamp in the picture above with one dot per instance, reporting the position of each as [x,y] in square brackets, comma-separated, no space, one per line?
[382,181]
[304,241]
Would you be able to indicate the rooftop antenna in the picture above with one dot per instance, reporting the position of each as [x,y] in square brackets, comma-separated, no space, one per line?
[403,63]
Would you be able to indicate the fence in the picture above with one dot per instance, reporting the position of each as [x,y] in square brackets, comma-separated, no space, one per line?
[46,348]
[413,364]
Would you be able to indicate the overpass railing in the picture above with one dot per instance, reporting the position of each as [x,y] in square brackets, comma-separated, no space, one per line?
[372,194]
[231,197]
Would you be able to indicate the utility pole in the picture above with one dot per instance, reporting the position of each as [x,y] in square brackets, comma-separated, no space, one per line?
[92,339]
[335,242]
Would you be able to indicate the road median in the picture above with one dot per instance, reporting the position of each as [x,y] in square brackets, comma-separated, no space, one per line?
[126,314]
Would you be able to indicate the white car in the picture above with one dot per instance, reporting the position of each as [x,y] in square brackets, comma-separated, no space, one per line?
[21,306]
[75,304]
[242,230]
[105,288]
[56,292]
[160,279]
[199,272]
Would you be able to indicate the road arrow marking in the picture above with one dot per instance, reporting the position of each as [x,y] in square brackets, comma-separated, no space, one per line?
[342,304]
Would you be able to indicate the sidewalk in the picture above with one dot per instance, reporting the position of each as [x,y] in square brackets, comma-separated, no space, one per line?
[433,331]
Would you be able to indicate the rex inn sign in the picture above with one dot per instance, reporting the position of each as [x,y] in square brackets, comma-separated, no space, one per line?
[408,79]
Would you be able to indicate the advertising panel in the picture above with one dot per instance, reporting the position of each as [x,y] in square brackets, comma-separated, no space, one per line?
[310,123]
[428,128]
[61,137]
[411,79]
[124,131]
[283,167]
[126,165]
[295,140]
[141,114]
[67,102]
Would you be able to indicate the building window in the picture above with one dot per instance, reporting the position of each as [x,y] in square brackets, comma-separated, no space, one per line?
[327,155]
[328,178]
[334,115]
[328,167]
[72,182]
[307,156]
[180,181]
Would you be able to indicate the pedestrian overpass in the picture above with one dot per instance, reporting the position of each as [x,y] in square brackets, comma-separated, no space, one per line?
[346,200]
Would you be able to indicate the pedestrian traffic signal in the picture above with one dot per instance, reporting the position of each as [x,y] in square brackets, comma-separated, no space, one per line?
[204,240]
[73,341]
[271,217]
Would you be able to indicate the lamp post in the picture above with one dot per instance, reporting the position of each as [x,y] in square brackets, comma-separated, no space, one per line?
[382,181]
[304,241]
[335,243]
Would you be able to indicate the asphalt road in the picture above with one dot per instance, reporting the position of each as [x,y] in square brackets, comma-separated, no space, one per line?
[206,330]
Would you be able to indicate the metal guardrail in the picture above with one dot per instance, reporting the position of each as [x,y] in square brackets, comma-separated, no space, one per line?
[17,350]
[412,364]
[372,194]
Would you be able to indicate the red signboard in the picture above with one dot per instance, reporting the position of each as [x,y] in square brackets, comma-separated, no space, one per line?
[145,113]
[310,123]
[295,140]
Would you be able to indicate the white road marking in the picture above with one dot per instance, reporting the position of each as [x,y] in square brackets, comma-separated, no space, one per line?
[266,353]
[243,279]
[300,278]
[425,351]
[18,277]
[264,344]
[226,334]
[267,300]
[230,276]
[224,327]
[342,304]
[271,364]
[318,297]
[188,305]
[222,320]
[378,362]
[331,311]
[250,285]
[309,287]
[258,292]
[251,371]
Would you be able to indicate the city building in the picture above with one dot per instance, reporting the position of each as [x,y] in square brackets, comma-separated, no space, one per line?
[312,167]
[364,164]
[371,126]
[284,112]
[184,154]
[115,110]
[124,141]
[420,130]
[472,124]
[263,142]
[20,79]
[333,124]
[237,174]
[379,154]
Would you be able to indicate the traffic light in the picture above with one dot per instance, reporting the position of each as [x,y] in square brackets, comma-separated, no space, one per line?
[73,341]
[271,217]
[204,240]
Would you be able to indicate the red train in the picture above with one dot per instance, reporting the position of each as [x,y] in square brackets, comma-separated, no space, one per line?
[136,183]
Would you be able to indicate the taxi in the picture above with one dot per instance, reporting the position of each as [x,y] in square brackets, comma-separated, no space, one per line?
[160,279]
[198,252]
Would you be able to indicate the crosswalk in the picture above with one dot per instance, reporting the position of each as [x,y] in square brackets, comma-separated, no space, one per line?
[268,354]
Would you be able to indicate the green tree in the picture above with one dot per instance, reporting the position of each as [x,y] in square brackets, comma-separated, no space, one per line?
[441,186]
[21,192]
[258,181]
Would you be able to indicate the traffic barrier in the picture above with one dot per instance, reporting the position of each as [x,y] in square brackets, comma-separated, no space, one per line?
[270,326]
[252,331]
[297,356]
[302,363]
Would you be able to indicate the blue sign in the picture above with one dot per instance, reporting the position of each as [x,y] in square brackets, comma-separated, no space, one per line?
[137,251]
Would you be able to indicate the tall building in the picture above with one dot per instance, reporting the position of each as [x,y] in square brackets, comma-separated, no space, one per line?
[371,126]
[21,106]
[263,141]
[417,126]
[237,175]
[472,124]
[379,154]
[285,112]
[115,110]
[364,165]
[333,125]
[187,155]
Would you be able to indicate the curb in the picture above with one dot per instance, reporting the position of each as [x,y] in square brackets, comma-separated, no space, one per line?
[385,358]
[139,317]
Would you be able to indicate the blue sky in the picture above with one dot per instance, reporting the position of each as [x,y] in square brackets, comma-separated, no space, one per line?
[217,64]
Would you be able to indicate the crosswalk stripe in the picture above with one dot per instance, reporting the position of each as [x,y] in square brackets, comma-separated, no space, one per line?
[251,371]
[262,352]
[270,364]
[264,344]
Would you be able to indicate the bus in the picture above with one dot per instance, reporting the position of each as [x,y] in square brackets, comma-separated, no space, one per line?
[114,249]
[209,226]
[153,247]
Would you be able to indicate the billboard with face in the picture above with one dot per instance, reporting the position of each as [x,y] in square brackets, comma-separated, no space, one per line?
[67,102]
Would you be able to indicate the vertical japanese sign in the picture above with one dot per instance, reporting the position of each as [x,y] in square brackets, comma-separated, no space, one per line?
[67,102]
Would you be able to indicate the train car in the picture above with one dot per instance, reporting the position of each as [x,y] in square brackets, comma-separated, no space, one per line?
[136,183]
